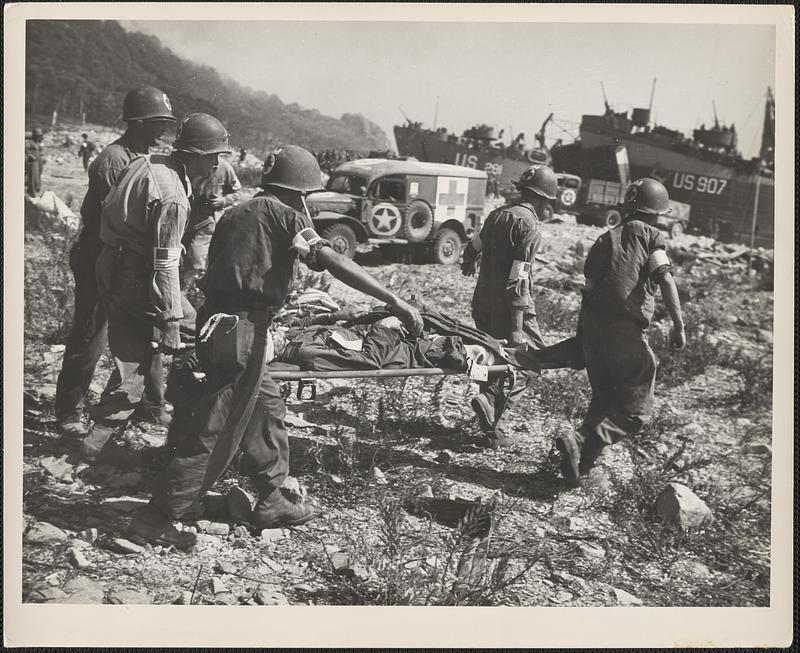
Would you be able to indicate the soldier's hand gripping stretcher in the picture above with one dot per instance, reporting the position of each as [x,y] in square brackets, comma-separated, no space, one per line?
[170,342]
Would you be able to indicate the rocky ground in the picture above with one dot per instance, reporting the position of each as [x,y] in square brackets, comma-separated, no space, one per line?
[680,514]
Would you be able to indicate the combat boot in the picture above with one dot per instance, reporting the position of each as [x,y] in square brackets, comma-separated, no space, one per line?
[483,405]
[569,446]
[590,452]
[72,426]
[275,510]
[150,526]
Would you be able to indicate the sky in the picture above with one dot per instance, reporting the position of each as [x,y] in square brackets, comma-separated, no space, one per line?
[509,75]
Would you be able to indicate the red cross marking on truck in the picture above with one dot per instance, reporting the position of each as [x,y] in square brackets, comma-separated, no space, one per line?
[452,198]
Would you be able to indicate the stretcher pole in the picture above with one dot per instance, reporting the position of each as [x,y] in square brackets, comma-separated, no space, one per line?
[290,375]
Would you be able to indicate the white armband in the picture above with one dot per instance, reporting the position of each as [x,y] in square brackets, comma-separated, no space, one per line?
[657,259]
[166,258]
[476,242]
[303,241]
[519,270]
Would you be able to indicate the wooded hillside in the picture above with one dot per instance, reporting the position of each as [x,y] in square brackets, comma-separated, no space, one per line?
[77,67]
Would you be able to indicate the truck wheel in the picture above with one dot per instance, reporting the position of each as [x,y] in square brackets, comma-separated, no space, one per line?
[446,247]
[418,222]
[610,218]
[342,239]
[676,229]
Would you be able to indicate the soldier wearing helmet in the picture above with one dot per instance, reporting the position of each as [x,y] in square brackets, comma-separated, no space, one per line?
[34,162]
[501,304]
[147,112]
[251,264]
[142,223]
[623,269]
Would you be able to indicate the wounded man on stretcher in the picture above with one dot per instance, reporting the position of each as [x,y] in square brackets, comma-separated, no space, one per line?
[348,340]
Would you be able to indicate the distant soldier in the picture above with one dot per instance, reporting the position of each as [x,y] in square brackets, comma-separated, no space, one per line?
[147,112]
[242,154]
[623,269]
[502,305]
[211,196]
[86,150]
[34,162]
[143,221]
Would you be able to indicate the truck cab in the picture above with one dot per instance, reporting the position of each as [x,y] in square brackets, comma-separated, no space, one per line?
[425,207]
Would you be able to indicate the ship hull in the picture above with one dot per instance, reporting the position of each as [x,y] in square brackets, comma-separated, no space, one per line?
[428,146]
[722,198]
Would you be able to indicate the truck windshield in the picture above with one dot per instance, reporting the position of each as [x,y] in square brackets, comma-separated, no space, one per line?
[350,184]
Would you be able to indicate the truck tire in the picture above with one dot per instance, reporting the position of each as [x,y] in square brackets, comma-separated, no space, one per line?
[446,247]
[676,229]
[418,222]
[342,239]
[610,218]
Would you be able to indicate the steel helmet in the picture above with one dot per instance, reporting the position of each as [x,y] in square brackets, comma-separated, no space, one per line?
[37,133]
[199,133]
[647,196]
[539,179]
[292,167]
[146,103]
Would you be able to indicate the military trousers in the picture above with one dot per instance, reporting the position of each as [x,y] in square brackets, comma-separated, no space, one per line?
[87,340]
[241,409]
[495,389]
[122,280]
[622,373]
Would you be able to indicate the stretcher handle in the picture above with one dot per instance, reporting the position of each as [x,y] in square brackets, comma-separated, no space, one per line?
[291,375]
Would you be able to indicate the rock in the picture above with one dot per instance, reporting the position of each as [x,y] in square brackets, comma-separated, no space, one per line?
[185,598]
[226,598]
[540,532]
[83,590]
[562,597]
[240,504]
[218,587]
[699,570]
[343,565]
[47,594]
[77,559]
[424,490]
[766,336]
[270,595]
[625,598]
[297,421]
[567,522]
[272,534]
[123,504]
[80,544]
[58,468]
[46,391]
[121,545]
[271,564]
[575,583]
[213,528]
[591,551]
[241,532]
[89,535]
[678,505]
[291,484]
[379,477]
[224,567]
[758,448]
[331,548]
[44,533]
[336,480]
[129,597]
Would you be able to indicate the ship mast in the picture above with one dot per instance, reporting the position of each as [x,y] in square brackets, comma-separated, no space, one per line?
[605,99]
[652,93]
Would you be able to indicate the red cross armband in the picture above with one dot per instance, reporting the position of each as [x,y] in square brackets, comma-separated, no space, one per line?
[658,265]
[307,243]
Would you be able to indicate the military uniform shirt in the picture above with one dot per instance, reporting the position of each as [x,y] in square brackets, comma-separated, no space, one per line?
[620,276]
[251,260]
[148,208]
